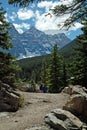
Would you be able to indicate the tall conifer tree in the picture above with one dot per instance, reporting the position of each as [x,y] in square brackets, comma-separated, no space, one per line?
[80,62]
[7,66]
[64,75]
[43,74]
[53,76]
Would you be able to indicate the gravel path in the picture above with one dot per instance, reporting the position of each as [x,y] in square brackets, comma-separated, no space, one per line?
[37,105]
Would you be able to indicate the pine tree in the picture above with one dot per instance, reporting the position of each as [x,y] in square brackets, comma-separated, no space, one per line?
[53,76]
[64,77]
[43,74]
[80,62]
[32,81]
[7,66]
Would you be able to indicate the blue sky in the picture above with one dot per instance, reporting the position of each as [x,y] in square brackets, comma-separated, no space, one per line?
[36,15]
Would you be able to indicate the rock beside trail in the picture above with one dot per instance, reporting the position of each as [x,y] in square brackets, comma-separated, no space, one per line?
[77,104]
[77,89]
[9,99]
[63,120]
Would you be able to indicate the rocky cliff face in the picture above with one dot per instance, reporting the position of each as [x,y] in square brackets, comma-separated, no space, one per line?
[34,42]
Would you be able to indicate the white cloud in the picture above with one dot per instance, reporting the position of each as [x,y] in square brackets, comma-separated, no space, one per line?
[21,27]
[76,26]
[33,5]
[25,25]
[47,21]
[50,4]
[66,2]
[24,14]
[45,4]
[6,16]
[13,16]
[43,22]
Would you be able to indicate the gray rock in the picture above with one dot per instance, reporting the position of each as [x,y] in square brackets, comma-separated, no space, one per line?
[9,99]
[63,120]
[77,89]
[77,104]
[4,114]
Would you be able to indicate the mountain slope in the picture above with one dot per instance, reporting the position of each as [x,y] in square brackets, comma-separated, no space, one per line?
[34,42]
[68,51]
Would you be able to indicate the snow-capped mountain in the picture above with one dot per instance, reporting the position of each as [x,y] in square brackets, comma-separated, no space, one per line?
[34,42]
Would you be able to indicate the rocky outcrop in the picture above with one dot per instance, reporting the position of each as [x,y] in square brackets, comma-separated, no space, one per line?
[77,104]
[63,120]
[9,99]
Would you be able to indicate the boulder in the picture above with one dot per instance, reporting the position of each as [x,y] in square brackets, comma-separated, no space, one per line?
[77,89]
[27,88]
[68,90]
[77,104]
[9,99]
[63,120]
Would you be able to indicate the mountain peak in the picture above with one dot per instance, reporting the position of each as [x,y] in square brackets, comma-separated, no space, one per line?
[34,42]
[33,31]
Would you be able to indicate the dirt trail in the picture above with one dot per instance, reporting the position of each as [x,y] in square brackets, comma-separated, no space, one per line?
[33,113]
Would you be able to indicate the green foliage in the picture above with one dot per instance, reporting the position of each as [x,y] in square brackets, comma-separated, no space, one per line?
[68,51]
[29,65]
[4,37]
[33,85]
[43,74]
[7,65]
[54,76]
[60,9]
[21,102]
[64,75]
[80,62]
[32,81]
